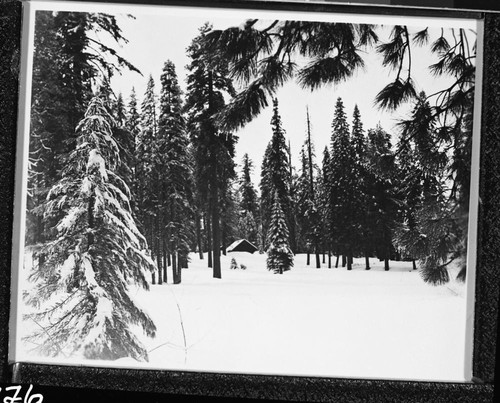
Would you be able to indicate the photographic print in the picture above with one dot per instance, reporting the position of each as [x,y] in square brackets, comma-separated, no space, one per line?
[248,191]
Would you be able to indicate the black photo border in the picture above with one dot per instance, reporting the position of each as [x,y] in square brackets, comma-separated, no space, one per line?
[170,383]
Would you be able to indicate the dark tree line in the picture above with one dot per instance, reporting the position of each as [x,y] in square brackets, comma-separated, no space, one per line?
[264,55]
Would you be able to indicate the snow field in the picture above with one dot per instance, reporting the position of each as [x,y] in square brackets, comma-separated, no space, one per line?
[305,322]
[308,321]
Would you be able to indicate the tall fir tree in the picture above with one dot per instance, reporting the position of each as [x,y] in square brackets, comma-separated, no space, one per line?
[383,203]
[326,210]
[84,297]
[279,254]
[67,61]
[344,188]
[208,84]
[175,171]
[248,216]
[308,213]
[358,141]
[133,126]
[148,184]
[276,176]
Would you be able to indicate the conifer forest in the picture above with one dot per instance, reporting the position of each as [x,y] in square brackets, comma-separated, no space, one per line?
[147,192]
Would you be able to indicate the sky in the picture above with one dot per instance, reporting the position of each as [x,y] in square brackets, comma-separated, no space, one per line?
[157,34]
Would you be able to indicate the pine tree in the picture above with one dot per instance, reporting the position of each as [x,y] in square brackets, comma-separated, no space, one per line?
[126,143]
[326,210]
[279,254]
[65,65]
[175,171]
[308,214]
[383,201]
[230,217]
[276,176]
[248,204]
[208,84]
[133,126]
[360,171]
[343,188]
[148,185]
[431,232]
[83,295]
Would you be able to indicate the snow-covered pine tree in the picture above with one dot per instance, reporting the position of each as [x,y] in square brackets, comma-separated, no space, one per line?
[275,175]
[133,126]
[126,144]
[175,172]
[65,63]
[83,296]
[148,185]
[279,254]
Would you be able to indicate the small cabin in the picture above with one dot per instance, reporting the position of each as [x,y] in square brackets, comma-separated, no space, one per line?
[242,245]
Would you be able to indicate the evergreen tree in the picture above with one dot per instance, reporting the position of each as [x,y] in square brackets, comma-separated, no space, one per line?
[360,171]
[148,184]
[431,231]
[119,111]
[126,144]
[133,126]
[276,176]
[326,210]
[248,203]
[308,213]
[66,62]
[83,294]
[208,84]
[344,188]
[279,254]
[383,200]
[230,216]
[175,171]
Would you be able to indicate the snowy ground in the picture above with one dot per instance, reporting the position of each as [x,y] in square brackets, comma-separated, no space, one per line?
[308,321]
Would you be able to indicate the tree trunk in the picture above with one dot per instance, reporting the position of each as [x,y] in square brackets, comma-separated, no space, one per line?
[198,236]
[224,240]
[216,233]
[209,241]
[158,250]
[337,261]
[414,264]
[349,259]
[175,269]
[164,253]
[308,258]
[386,264]
[344,260]
[318,262]
[367,261]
